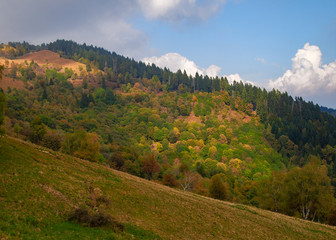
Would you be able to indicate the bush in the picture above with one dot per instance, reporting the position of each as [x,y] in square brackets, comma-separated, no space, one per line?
[169,180]
[52,140]
[94,219]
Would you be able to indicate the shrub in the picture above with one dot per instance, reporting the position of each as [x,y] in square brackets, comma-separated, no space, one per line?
[169,180]
[52,140]
[94,219]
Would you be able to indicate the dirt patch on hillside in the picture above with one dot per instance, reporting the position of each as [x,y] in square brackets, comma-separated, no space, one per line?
[237,116]
[76,82]
[46,57]
[6,82]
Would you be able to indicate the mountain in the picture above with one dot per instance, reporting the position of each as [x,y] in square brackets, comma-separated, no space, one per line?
[230,141]
[331,111]
[41,188]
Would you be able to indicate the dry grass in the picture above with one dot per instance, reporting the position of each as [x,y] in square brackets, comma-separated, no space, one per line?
[45,59]
[7,82]
[52,59]
[48,185]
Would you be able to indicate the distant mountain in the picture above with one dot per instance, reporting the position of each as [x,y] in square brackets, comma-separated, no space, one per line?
[331,111]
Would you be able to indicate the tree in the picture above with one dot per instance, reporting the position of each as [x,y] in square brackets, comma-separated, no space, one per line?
[188,181]
[150,166]
[217,188]
[174,135]
[83,145]
[2,103]
[270,191]
[169,180]
[17,129]
[2,109]
[308,191]
[38,130]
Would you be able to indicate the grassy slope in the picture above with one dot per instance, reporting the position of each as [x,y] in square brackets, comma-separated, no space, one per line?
[38,189]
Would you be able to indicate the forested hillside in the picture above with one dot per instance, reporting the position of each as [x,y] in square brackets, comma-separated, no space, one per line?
[231,141]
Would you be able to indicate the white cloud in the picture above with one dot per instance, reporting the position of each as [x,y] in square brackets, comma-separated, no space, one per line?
[212,71]
[234,77]
[157,8]
[308,77]
[175,61]
[177,10]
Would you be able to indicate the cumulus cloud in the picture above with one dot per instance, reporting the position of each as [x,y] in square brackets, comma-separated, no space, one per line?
[308,77]
[177,10]
[234,77]
[174,62]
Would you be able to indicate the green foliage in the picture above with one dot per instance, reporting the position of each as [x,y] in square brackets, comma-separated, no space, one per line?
[271,192]
[37,130]
[304,192]
[308,191]
[52,140]
[81,144]
[218,188]
[2,109]
[2,103]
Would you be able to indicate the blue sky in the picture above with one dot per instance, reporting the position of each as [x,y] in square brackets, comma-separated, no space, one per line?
[290,45]
[245,31]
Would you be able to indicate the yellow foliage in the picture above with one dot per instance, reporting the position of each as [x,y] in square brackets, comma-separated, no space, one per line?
[212,151]
[201,143]
[222,166]
[235,165]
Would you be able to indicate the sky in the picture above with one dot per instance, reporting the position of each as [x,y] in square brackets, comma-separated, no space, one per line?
[288,45]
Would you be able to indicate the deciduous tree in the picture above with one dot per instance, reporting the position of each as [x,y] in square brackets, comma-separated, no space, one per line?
[270,191]
[150,166]
[218,188]
[308,191]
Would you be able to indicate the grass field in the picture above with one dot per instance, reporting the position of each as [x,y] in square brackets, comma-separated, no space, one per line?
[39,188]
